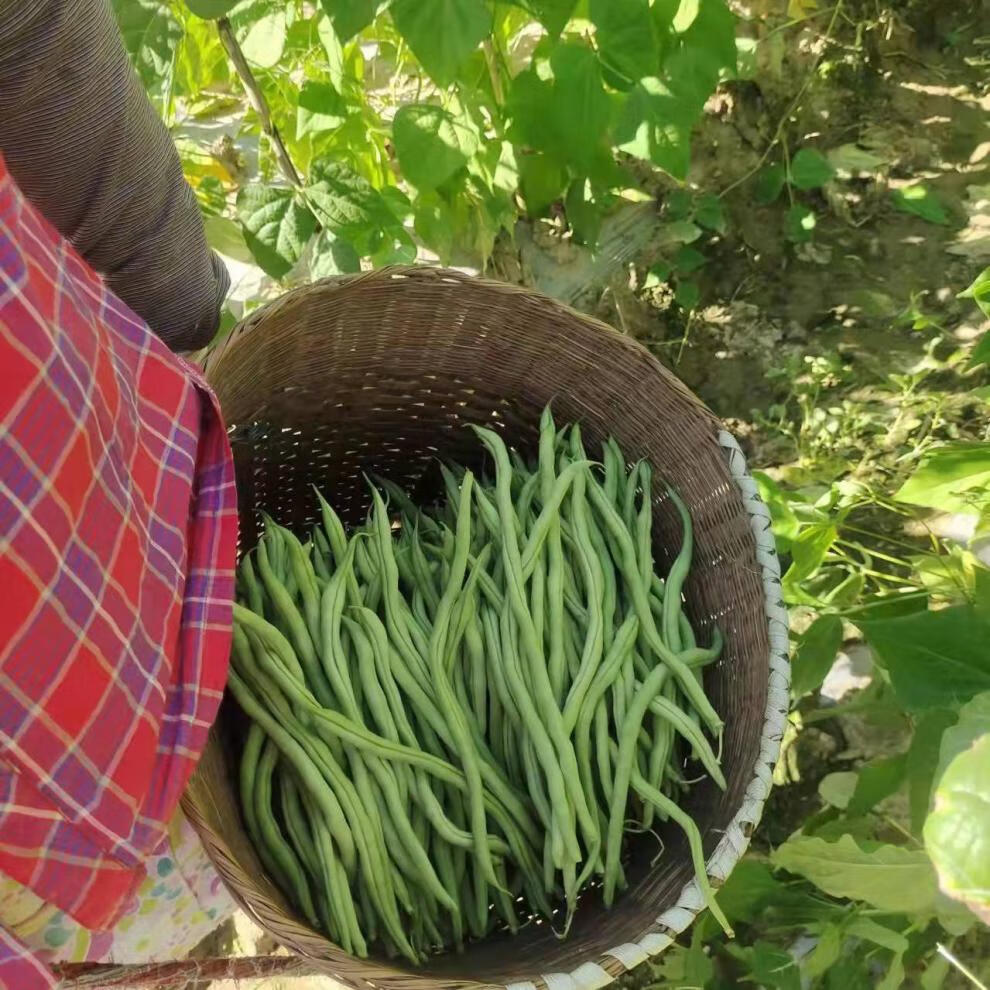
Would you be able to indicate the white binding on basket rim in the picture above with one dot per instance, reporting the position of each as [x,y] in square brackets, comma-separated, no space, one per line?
[591,975]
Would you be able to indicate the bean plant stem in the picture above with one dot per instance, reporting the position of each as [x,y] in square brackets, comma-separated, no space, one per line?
[257,100]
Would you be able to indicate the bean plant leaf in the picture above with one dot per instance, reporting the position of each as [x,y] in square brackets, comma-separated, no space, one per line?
[935,659]
[875,781]
[687,294]
[580,103]
[878,934]
[334,50]
[979,292]
[770,182]
[431,144]
[810,169]
[748,889]
[892,878]
[710,213]
[276,226]
[981,353]
[837,788]
[801,223]
[226,237]
[624,36]
[552,14]
[922,761]
[348,205]
[951,478]
[262,37]
[151,34]
[655,125]
[808,551]
[973,722]
[712,32]
[685,14]
[320,108]
[815,654]
[957,832]
[442,33]
[332,256]
[350,17]
[211,9]
[583,213]
[920,201]
[542,181]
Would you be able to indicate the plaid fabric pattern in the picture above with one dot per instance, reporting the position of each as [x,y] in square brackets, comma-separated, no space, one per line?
[118,533]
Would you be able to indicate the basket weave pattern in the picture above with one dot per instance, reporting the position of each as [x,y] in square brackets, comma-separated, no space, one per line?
[377,374]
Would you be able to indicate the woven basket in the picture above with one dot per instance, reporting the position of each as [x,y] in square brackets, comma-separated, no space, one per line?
[378,373]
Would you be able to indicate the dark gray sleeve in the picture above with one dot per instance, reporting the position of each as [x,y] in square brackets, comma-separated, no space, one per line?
[87,148]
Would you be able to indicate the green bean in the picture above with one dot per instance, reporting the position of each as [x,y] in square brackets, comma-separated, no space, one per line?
[445,693]
[305,651]
[290,875]
[675,578]
[644,529]
[252,588]
[556,656]
[296,825]
[670,808]
[341,913]
[566,769]
[550,510]
[640,603]
[305,577]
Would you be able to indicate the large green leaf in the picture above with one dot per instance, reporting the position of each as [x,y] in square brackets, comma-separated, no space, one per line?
[810,169]
[332,256]
[768,965]
[770,182]
[921,201]
[276,226]
[624,36]
[541,181]
[922,761]
[442,33]
[211,9]
[979,292]
[431,144]
[957,832]
[654,124]
[815,654]
[973,722]
[892,878]
[935,659]
[712,31]
[348,17]
[552,14]
[261,31]
[320,108]
[808,551]
[875,781]
[348,205]
[565,116]
[580,104]
[950,478]
[151,34]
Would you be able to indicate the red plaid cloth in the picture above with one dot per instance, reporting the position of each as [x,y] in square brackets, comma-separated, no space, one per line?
[118,531]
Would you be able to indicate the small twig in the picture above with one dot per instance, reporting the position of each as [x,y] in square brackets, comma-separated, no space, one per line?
[102,976]
[257,99]
[792,106]
[946,954]
[493,73]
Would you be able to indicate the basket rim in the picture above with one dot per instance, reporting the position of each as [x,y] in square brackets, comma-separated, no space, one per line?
[607,966]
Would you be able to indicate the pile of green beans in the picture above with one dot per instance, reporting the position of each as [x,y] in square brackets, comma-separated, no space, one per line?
[458,713]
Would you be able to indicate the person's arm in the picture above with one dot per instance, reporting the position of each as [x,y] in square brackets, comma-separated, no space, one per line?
[87,148]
